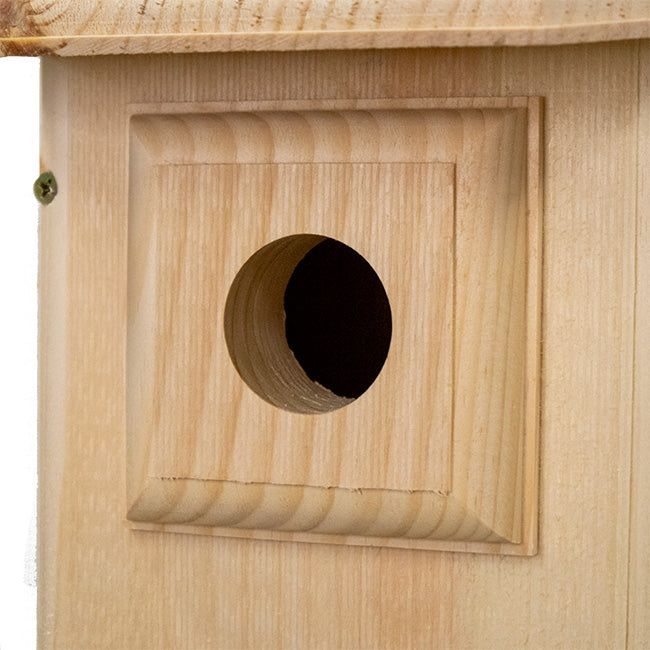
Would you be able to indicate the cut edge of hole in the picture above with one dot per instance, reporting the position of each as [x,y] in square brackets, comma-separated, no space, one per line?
[255,329]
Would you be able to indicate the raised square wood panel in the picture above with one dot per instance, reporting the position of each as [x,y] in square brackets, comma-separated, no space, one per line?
[201,419]
[441,198]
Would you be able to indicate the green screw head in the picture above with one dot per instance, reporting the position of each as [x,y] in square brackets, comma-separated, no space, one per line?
[45,188]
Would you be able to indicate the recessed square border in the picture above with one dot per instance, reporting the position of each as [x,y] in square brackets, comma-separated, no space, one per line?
[337,515]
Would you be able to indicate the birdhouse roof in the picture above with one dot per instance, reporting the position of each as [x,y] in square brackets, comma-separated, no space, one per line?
[92,27]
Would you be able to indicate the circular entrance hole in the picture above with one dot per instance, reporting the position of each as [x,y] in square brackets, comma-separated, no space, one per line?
[308,323]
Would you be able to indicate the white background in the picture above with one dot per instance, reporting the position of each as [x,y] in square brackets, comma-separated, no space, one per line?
[19,119]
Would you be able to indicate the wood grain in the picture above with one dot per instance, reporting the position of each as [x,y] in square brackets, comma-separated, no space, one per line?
[639,570]
[334,515]
[52,333]
[209,189]
[104,585]
[198,417]
[91,27]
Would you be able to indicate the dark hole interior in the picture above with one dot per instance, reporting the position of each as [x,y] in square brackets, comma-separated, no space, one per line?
[338,319]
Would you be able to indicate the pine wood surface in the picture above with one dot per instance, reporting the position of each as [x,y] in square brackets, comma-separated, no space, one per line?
[103,585]
[89,27]
[459,294]
[200,419]
[639,576]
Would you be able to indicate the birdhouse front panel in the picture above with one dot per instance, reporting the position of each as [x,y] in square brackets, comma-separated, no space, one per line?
[343,342]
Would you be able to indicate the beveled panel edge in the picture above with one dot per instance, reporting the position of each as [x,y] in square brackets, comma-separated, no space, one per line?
[391,518]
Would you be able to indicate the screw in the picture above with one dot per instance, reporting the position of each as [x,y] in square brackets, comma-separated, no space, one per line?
[45,188]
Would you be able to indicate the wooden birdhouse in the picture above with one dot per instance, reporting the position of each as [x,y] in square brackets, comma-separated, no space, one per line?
[344,323]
